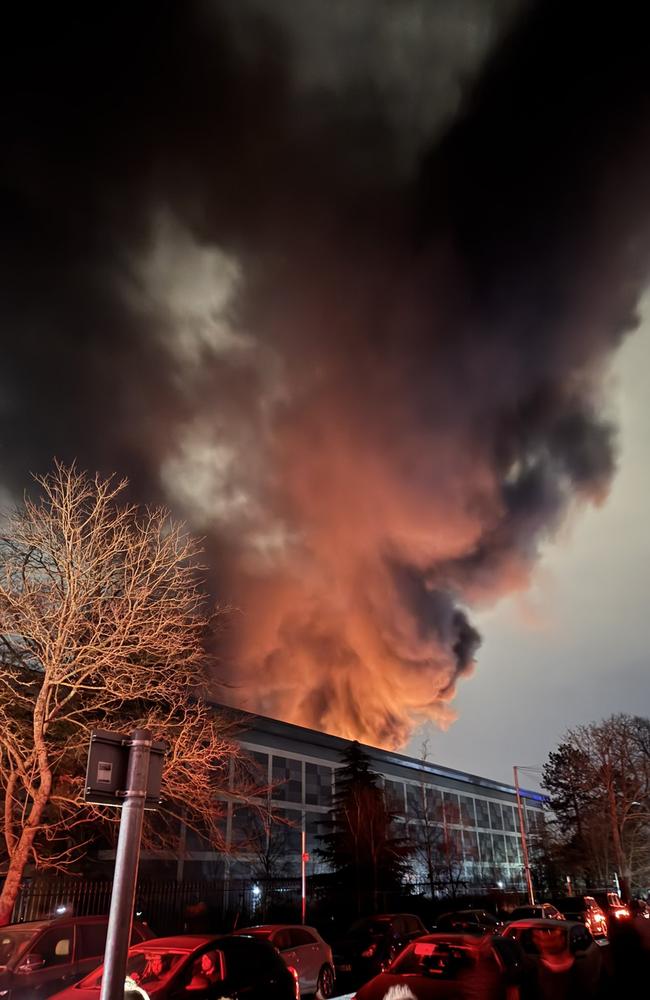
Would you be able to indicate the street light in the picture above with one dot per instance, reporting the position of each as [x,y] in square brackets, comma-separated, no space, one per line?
[524,844]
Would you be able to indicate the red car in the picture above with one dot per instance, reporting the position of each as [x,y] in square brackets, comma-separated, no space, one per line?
[203,966]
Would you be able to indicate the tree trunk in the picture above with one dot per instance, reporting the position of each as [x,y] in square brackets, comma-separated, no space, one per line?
[11,888]
[619,855]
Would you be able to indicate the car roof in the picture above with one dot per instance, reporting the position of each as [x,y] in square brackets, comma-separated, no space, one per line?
[469,940]
[272,927]
[545,923]
[181,942]
[36,925]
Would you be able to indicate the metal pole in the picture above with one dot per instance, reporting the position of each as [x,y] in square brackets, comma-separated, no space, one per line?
[126,867]
[524,845]
[303,877]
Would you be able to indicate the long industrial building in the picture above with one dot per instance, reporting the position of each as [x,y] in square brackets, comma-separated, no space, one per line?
[476,818]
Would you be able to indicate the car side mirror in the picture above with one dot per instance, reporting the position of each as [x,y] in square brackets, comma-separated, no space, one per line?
[32,962]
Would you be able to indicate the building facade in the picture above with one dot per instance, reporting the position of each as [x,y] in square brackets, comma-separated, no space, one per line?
[472,820]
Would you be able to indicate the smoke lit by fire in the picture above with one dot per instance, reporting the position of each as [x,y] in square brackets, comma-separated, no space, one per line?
[340,285]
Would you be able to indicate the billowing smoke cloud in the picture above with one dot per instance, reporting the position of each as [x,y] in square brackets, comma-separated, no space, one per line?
[339,282]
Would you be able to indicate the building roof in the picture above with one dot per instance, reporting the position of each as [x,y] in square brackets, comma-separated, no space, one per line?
[283,734]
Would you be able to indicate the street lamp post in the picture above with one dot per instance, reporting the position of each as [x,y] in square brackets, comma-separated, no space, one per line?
[524,844]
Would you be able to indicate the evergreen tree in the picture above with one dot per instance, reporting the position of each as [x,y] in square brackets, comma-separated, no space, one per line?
[364,847]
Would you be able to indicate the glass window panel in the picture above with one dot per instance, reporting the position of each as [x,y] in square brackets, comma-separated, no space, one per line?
[416,801]
[471,845]
[287,779]
[452,807]
[467,815]
[509,818]
[498,841]
[434,802]
[485,847]
[496,819]
[512,852]
[394,791]
[318,784]
[482,813]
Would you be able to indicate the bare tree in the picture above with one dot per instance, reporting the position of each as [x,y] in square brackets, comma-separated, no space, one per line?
[102,625]
[436,848]
[599,780]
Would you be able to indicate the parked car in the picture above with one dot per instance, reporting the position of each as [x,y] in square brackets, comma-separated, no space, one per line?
[612,906]
[639,908]
[468,922]
[372,943]
[451,965]
[563,951]
[586,910]
[304,950]
[540,911]
[203,967]
[39,958]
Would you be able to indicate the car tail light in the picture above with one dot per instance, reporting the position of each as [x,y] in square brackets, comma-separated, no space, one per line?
[296,981]
[370,951]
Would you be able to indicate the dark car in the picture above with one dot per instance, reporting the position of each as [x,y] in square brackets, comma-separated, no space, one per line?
[451,966]
[468,922]
[612,906]
[303,949]
[539,911]
[200,967]
[586,910]
[640,909]
[565,958]
[371,944]
[41,957]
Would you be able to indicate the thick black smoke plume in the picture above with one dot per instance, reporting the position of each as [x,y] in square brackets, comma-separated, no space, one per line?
[339,282]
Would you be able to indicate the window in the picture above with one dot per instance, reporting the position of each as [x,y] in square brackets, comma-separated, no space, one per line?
[485,845]
[498,840]
[471,845]
[512,850]
[283,940]
[318,785]
[467,815]
[91,940]
[452,808]
[55,946]
[416,801]
[482,813]
[394,792]
[508,818]
[496,819]
[300,936]
[287,779]
[434,802]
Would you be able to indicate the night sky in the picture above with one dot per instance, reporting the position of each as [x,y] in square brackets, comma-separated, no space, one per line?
[345,285]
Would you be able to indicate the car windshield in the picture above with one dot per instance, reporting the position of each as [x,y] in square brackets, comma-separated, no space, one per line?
[543,940]
[369,927]
[439,959]
[571,904]
[149,968]
[526,911]
[12,943]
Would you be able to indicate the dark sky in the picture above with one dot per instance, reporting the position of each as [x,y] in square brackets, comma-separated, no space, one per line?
[341,283]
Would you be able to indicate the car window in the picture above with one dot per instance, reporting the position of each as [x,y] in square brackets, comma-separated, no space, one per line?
[148,968]
[282,939]
[487,918]
[55,945]
[246,957]
[580,939]
[300,936]
[91,940]
[536,940]
[12,943]
[441,959]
